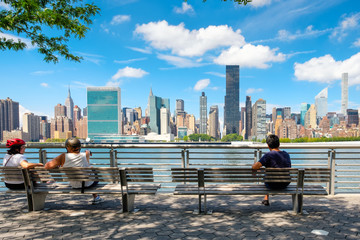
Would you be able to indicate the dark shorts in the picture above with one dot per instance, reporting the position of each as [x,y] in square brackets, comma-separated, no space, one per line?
[92,185]
[15,186]
[276,185]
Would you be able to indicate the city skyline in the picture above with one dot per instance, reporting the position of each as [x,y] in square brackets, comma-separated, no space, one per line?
[282,46]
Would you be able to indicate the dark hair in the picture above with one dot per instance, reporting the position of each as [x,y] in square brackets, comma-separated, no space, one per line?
[73,143]
[14,150]
[273,141]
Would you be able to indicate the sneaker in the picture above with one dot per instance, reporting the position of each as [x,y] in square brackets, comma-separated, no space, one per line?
[97,200]
[266,202]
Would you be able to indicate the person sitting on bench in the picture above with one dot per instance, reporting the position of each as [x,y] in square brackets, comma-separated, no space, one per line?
[73,158]
[273,159]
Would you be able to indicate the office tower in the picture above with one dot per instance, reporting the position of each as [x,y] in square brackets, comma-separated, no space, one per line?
[280,112]
[287,112]
[69,106]
[82,128]
[203,113]
[324,124]
[352,116]
[9,115]
[214,127]
[164,120]
[259,119]
[179,106]
[129,115]
[180,119]
[60,111]
[248,119]
[303,109]
[190,123]
[77,113]
[139,113]
[182,132]
[242,118]
[85,111]
[344,93]
[44,128]
[104,113]
[321,105]
[231,108]
[31,125]
[76,120]
[156,103]
[147,110]
[61,127]
[274,115]
[287,129]
[310,117]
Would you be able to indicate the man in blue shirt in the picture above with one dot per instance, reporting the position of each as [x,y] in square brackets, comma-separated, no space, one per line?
[273,159]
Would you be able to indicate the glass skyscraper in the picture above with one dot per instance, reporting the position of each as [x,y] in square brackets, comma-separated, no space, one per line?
[248,119]
[303,109]
[156,103]
[104,113]
[321,105]
[231,108]
[203,113]
[344,93]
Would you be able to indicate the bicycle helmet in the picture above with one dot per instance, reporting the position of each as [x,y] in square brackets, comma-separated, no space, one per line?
[14,142]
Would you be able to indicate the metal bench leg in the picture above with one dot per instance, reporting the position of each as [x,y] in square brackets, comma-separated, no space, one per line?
[297,200]
[128,202]
[38,201]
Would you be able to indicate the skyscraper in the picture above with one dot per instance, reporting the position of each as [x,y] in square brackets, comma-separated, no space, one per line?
[344,93]
[31,125]
[203,113]
[69,106]
[248,119]
[310,117]
[179,106]
[147,110]
[60,111]
[104,113]
[214,130]
[287,112]
[9,115]
[231,108]
[303,109]
[156,103]
[321,105]
[352,116]
[259,119]
[164,120]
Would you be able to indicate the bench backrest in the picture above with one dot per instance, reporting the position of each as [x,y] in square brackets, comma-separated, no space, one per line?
[11,174]
[136,175]
[100,174]
[234,175]
[317,175]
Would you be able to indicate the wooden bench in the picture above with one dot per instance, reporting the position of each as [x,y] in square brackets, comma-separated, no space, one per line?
[240,181]
[41,182]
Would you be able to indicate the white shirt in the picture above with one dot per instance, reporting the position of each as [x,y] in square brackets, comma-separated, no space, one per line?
[77,160]
[14,161]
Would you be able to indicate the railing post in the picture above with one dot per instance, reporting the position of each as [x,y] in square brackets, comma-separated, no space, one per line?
[112,158]
[183,160]
[42,156]
[256,154]
[332,169]
[187,158]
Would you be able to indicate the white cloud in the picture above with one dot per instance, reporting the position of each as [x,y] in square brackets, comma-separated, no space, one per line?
[185,8]
[146,50]
[42,73]
[260,3]
[23,110]
[326,69]
[94,58]
[346,25]
[201,84]
[217,74]
[118,19]
[357,43]
[129,61]
[130,73]
[254,90]
[183,42]
[250,56]
[179,62]
[29,46]
[44,85]
[5,6]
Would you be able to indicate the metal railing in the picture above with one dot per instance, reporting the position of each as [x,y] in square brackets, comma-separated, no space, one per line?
[342,157]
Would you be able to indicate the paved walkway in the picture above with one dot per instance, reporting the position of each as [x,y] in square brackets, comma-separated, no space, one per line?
[170,217]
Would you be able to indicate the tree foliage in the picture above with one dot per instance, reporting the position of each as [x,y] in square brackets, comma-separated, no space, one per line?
[200,137]
[232,137]
[32,18]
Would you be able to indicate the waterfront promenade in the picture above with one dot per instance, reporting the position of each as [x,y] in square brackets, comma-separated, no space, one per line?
[165,216]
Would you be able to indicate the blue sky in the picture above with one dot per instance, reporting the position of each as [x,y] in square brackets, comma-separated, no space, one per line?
[288,51]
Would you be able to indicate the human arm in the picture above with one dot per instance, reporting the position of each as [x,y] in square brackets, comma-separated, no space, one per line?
[25,164]
[56,162]
[88,154]
[256,166]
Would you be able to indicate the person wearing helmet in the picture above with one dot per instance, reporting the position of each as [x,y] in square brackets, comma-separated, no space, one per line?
[15,158]
[74,158]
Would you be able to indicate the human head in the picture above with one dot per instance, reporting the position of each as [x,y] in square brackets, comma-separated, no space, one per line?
[15,145]
[273,141]
[73,144]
